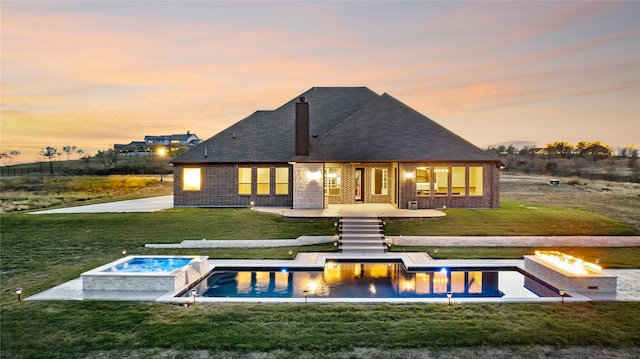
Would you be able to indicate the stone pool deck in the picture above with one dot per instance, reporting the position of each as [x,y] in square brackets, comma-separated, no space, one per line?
[628,282]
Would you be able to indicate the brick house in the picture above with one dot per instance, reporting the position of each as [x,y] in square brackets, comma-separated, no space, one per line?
[336,145]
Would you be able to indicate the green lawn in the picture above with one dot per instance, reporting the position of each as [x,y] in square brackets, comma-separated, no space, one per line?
[40,251]
[611,257]
[514,218]
[78,329]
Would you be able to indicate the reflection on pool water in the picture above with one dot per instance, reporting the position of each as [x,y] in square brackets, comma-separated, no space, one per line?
[375,280]
[151,265]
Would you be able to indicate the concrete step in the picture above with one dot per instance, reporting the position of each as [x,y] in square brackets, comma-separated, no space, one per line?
[360,220]
[363,249]
[361,235]
[351,231]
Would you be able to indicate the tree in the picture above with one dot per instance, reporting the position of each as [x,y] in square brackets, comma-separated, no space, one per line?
[597,150]
[49,152]
[109,157]
[7,157]
[559,148]
[69,150]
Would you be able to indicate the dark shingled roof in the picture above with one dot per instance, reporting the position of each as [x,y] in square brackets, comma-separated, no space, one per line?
[346,124]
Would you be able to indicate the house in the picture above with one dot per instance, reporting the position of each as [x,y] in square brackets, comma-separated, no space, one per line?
[188,139]
[337,145]
[151,143]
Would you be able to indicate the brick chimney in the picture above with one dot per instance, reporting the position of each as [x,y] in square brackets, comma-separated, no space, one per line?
[302,127]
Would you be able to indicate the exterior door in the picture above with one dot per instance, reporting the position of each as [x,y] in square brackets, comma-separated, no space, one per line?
[359,185]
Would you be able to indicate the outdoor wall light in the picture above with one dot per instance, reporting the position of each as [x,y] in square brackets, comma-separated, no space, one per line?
[408,175]
[314,176]
[449,295]
[19,293]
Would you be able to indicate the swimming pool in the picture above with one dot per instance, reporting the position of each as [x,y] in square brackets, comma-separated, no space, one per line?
[374,280]
[151,264]
[146,273]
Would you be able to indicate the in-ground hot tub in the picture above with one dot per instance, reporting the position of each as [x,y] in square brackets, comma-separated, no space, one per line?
[146,273]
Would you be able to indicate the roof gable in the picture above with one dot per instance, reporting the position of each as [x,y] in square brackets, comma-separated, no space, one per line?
[346,124]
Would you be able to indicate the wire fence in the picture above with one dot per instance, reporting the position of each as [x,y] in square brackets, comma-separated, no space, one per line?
[46,171]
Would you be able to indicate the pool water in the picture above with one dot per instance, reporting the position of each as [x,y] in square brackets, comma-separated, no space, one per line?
[151,265]
[376,280]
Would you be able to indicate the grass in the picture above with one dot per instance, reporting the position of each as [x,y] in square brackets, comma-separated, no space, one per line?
[40,251]
[514,218]
[81,329]
[611,257]
[27,193]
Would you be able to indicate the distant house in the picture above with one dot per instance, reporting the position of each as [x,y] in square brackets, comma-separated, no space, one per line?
[337,145]
[150,143]
[188,139]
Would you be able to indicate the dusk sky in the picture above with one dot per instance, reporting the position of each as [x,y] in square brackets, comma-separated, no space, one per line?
[95,73]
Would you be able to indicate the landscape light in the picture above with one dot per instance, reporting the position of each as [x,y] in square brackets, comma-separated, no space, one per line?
[449,295]
[19,293]
[193,294]
[562,293]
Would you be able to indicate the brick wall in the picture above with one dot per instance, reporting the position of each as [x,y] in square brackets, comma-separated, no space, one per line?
[489,199]
[219,188]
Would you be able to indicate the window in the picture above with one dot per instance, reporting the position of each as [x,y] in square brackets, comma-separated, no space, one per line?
[264,180]
[332,181]
[458,179]
[282,180]
[423,181]
[380,181]
[244,180]
[475,181]
[442,181]
[191,179]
